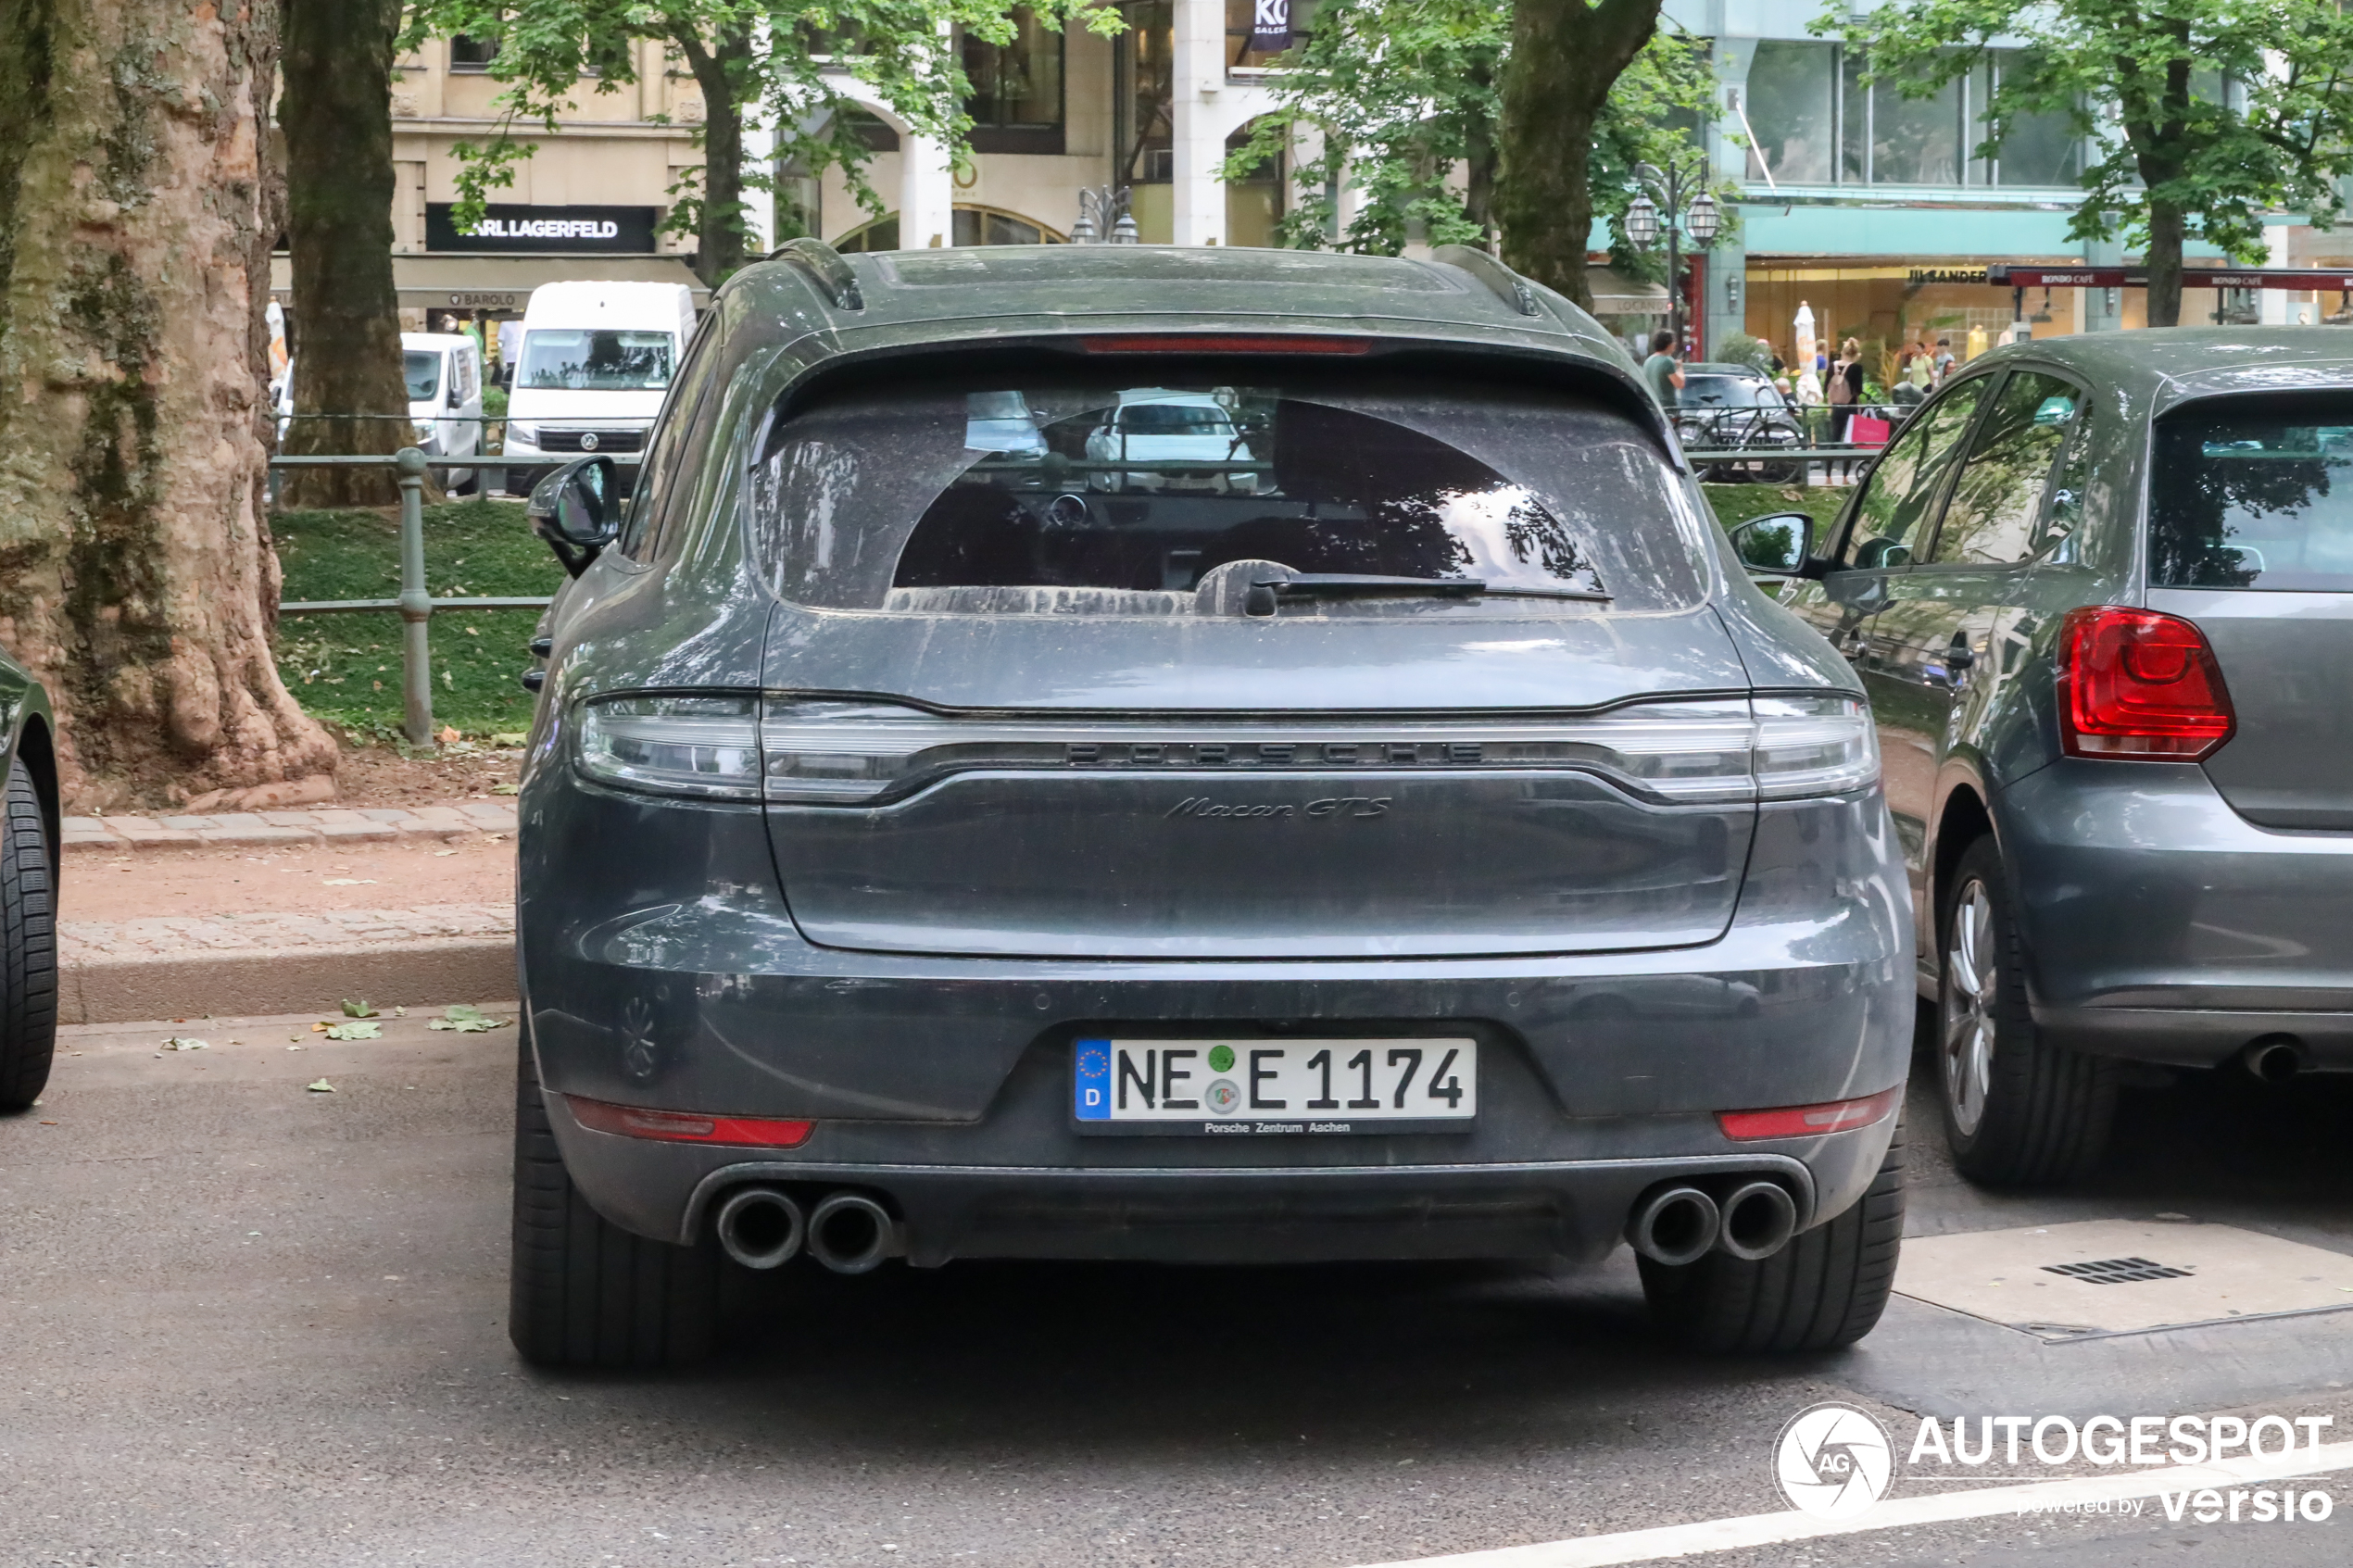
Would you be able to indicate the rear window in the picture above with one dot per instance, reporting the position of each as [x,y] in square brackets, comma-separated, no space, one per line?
[592,360]
[1068,499]
[2254,493]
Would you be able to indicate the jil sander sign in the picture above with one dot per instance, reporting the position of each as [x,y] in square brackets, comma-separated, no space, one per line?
[508,227]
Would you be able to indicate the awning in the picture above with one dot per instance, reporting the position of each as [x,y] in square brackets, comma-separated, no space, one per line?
[503,283]
[1615,295]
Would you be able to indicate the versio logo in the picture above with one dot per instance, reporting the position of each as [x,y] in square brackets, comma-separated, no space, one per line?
[1833,1461]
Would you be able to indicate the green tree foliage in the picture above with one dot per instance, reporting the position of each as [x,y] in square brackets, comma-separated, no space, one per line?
[786,59]
[2210,112]
[1405,93]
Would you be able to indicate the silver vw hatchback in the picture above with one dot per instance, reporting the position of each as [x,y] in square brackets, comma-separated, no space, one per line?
[1192,757]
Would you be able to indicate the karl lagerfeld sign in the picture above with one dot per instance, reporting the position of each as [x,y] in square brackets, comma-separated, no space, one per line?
[510,227]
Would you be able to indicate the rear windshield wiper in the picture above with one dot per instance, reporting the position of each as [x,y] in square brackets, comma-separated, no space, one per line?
[1267,591]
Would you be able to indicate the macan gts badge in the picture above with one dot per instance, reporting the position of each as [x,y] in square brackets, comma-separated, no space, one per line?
[1042,770]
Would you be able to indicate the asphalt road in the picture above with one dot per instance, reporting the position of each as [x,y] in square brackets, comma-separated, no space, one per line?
[247,1323]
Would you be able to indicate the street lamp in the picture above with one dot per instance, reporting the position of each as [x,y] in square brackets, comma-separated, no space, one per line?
[1700,218]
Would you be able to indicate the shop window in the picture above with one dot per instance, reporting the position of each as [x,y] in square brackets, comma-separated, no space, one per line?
[1016,98]
[975,225]
[872,132]
[472,54]
[1792,107]
[1254,202]
[1916,140]
[2035,149]
[1144,60]
[1854,120]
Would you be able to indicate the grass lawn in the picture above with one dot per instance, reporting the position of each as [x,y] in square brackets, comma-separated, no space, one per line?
[346,667]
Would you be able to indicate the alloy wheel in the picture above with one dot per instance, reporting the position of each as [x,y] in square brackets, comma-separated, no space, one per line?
[1967,1042]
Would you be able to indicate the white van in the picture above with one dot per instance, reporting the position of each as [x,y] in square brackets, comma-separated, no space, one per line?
[595,363]
[444,373]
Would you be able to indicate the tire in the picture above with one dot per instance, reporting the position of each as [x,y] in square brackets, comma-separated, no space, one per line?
[28,945]
[584,1292]
[2018,1111]
[1824,1290]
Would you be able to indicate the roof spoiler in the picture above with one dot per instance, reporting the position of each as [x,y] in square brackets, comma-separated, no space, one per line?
[1500,280]
[825,269]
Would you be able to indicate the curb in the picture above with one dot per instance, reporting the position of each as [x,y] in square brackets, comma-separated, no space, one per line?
[302,980]
[299,981]
[175,966]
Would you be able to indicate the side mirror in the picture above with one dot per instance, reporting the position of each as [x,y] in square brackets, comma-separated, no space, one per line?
[578,510]
[457,398]
[1779,545]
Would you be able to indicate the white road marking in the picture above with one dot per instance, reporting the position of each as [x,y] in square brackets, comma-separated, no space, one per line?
[1771,1529]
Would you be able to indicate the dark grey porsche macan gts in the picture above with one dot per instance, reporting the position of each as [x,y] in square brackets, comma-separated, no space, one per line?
[1188,755]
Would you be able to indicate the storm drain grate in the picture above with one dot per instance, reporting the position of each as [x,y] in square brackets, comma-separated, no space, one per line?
[2116,1271]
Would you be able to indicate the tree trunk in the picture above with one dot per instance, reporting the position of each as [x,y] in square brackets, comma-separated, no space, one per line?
[137,574]
[2164,263]
[337,114]
[720,71]
[1566,55]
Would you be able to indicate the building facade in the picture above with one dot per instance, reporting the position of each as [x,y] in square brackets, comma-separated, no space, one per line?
[1874,211]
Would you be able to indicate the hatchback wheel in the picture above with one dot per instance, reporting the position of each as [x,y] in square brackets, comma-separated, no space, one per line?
[28,945]
[583,1291]
[1824,1290]
[2018,1109]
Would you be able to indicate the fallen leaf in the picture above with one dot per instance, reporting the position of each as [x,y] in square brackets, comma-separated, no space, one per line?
[400,1012]
[318,1028]
[179,1044]
[48,1124]
[439,853]
[357,1030]
[349,880]
[467,1019]
[506,789]
[449,736]
[356,1010]
[321,1087]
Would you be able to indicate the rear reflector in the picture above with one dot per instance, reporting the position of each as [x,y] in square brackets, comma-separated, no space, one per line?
[686,1127]
[1227,342]
[2137,686]
[1808,1120]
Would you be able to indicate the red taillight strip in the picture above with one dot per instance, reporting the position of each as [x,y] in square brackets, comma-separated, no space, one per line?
[686,1127]
[1809,1121]
[1226,343]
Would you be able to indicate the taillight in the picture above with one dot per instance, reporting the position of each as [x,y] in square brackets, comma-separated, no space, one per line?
[686,1127]
[2136,684]
[1808,1120]
[700,745]
[1227,342]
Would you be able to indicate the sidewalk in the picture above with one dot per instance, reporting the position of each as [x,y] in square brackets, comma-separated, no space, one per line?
[183,917]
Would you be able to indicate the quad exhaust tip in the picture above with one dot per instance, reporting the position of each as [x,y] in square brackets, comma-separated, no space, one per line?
[851,1234]
[1758,1219]
[761,1228]
[1674,1225]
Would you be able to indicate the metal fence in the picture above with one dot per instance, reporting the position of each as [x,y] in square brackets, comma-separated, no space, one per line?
[1783,446]
[415,604]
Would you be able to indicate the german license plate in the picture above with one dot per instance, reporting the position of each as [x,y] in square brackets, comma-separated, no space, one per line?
[1255,1087]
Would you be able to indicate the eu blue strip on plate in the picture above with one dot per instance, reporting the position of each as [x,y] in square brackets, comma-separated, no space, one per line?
[1091,1083]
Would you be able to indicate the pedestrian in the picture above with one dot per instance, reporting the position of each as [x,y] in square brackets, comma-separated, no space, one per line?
[1845,393]
[1944,366]
[1666,377]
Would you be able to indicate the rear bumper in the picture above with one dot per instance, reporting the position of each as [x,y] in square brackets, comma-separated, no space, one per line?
[1567,1208]
[2162,925]
[671,975]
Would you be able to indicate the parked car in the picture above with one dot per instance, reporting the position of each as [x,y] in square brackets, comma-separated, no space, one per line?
[28,859]
[1436,849]
[1169,436]
[2101,591]
[443,371]
[1726,407]
[595,361]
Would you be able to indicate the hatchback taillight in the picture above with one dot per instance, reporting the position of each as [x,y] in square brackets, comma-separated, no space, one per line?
[2138,685]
